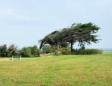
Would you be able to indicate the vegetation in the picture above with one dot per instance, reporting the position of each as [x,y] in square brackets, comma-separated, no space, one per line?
[86,51]
[8,52]
[65,51]
[59,42]
[81,33]
[70,70]
[30,51]
[13,51]
[48,49]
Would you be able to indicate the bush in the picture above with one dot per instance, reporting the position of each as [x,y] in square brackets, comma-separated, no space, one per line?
[3,50]
[8,51]
[35,51]
[30,51]
[25,52]
[65,51]
[87,51]
[12,50]
[48,49]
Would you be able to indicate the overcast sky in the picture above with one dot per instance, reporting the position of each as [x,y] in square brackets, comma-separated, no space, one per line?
[24,22]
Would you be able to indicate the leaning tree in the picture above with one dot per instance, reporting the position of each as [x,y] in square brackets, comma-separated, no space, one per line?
[81,33]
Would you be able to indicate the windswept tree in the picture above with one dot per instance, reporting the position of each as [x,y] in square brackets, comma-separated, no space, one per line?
[81,33]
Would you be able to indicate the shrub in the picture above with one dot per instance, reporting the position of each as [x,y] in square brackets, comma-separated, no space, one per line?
[87,51]
[48,49]
[65,51]
[30,51]
[25,52]
[12,50]
[35,51]
[3,50]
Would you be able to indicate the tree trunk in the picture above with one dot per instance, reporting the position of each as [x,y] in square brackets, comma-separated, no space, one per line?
[83,47]
[71,47]
[56,51]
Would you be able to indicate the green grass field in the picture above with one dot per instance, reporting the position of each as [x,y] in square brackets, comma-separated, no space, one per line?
[78,70]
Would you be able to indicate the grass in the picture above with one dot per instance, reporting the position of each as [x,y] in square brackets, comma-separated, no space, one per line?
[78,70]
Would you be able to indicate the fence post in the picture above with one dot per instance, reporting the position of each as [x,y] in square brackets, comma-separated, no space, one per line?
[12,58]
[20,58]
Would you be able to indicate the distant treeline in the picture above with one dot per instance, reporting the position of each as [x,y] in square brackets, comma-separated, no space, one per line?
[24,52]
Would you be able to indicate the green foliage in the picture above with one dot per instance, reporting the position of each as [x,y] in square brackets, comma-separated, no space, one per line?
[81,33]
[86,34]
[30,51]
[8,52]
[51,39]
[35,51]
[65,51]
[48,49]
[26,52]
[3,50]
[86,51]
[12,50]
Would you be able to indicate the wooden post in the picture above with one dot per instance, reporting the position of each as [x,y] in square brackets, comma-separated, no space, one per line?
[20,58]
[12,58]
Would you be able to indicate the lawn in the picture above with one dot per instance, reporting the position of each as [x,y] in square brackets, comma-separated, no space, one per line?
[77,70]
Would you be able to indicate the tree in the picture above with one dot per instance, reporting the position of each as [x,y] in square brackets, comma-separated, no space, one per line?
[26,52]
[30,51]
[81,33]
[35,51]
[3,50]
[12,50]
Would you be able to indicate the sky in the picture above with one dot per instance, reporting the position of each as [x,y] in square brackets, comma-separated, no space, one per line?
[24,22]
